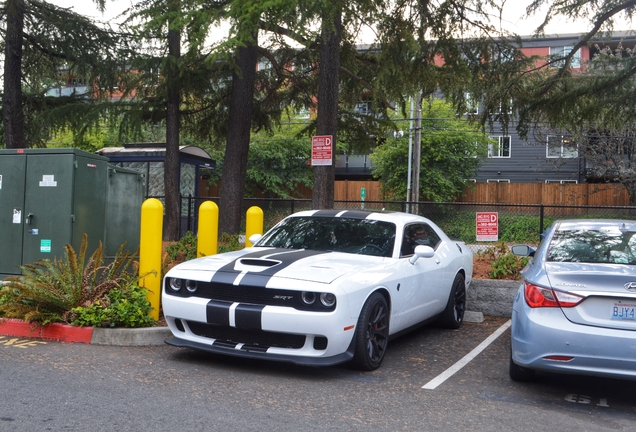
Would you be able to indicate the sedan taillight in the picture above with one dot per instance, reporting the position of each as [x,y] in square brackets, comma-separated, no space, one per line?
[537,297]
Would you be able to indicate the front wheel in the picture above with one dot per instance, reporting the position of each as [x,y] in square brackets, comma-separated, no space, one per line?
[453,315]
[372,333]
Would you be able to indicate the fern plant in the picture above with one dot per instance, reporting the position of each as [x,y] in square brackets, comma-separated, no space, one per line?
[47,291]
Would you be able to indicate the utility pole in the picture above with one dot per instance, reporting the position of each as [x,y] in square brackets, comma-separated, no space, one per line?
[417,152]
[409,170]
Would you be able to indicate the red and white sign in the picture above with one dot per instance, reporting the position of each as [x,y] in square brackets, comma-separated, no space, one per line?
[321,150]
[487,226]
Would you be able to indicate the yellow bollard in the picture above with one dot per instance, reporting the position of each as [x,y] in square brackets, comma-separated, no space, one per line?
[253,223]
[150,252]
[208,229]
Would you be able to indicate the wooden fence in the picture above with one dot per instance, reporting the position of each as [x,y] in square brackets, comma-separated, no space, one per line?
[584,194]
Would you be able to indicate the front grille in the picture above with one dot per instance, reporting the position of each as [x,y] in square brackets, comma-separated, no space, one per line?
[248,294]
[260,338]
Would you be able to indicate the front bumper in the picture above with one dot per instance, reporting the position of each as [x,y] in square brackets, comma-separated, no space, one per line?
[257,331]
[299,360]
[541,332]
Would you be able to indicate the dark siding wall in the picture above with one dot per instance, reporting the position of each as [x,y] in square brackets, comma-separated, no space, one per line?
[527,162]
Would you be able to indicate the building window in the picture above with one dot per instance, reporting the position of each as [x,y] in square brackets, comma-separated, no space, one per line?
[561,181]
[557,53]
[501,149]
[497,181]
[561,147]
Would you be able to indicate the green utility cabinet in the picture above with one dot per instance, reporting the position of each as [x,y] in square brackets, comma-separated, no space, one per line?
[52,197]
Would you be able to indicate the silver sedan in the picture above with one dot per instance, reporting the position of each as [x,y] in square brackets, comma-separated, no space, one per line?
[575,311]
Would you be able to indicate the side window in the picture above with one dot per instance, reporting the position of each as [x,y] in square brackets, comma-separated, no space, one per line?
[418,234]
[433,238]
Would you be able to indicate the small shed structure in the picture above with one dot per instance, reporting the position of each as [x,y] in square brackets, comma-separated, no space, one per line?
[148,159]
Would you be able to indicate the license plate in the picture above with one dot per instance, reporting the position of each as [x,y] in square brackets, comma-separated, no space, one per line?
[624,311]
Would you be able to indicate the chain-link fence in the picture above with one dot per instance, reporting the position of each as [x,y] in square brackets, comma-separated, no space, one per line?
[517,223]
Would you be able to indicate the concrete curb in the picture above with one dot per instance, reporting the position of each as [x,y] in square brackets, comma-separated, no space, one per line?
[94,335]
[492,297]
[58,332]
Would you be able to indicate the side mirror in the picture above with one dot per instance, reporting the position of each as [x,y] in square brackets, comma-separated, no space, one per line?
[422,251]
[254,238]
[522,250]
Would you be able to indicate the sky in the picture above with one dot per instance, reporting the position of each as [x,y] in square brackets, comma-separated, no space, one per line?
[513,16]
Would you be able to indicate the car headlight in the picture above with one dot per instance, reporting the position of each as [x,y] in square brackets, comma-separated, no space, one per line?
[191,285]
[308,297]
[327,299]
[175,284]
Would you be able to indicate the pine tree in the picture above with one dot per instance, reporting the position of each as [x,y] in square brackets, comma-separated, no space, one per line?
[44,44]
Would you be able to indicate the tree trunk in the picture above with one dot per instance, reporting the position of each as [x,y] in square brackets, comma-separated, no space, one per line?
[238,139]
[171,163]
[12,113]
[631,192]
[327,121]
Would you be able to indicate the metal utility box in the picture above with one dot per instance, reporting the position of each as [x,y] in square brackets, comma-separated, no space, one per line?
[125,195]
[52,197]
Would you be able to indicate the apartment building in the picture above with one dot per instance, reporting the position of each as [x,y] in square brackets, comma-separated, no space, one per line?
[543,156]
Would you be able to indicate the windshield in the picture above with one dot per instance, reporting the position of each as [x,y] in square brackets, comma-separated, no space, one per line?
[593,246]
[358,236]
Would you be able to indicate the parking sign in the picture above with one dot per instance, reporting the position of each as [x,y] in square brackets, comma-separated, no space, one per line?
[487,226]
[321,150]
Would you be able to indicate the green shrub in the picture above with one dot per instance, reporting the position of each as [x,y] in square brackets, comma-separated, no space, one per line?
[507,265]
[48,290]
[121,307]
[183,250]
[229,243]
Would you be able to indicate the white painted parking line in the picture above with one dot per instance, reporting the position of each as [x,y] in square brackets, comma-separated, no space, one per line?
[439,379]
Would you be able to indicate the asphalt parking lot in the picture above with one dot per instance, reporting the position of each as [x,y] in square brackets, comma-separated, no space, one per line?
[166,388]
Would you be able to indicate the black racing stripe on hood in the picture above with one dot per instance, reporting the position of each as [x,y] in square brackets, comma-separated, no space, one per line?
[261,279]
[227,274]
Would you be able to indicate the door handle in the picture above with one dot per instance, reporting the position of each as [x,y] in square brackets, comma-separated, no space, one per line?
[27,219]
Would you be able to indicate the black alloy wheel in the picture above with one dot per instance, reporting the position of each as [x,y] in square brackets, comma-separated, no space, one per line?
[453,315]
[372,333]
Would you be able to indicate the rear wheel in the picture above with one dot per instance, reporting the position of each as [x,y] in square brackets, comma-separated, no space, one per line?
[453,315]
[372,333]
[520,373]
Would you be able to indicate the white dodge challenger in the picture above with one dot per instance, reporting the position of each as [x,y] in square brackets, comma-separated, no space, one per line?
[321,287]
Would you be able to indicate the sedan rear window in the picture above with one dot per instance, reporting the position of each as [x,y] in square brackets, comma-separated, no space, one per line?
[359,236]
[593,246]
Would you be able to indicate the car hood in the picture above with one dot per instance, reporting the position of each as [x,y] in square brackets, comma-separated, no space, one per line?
[583,277]
[304,265]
